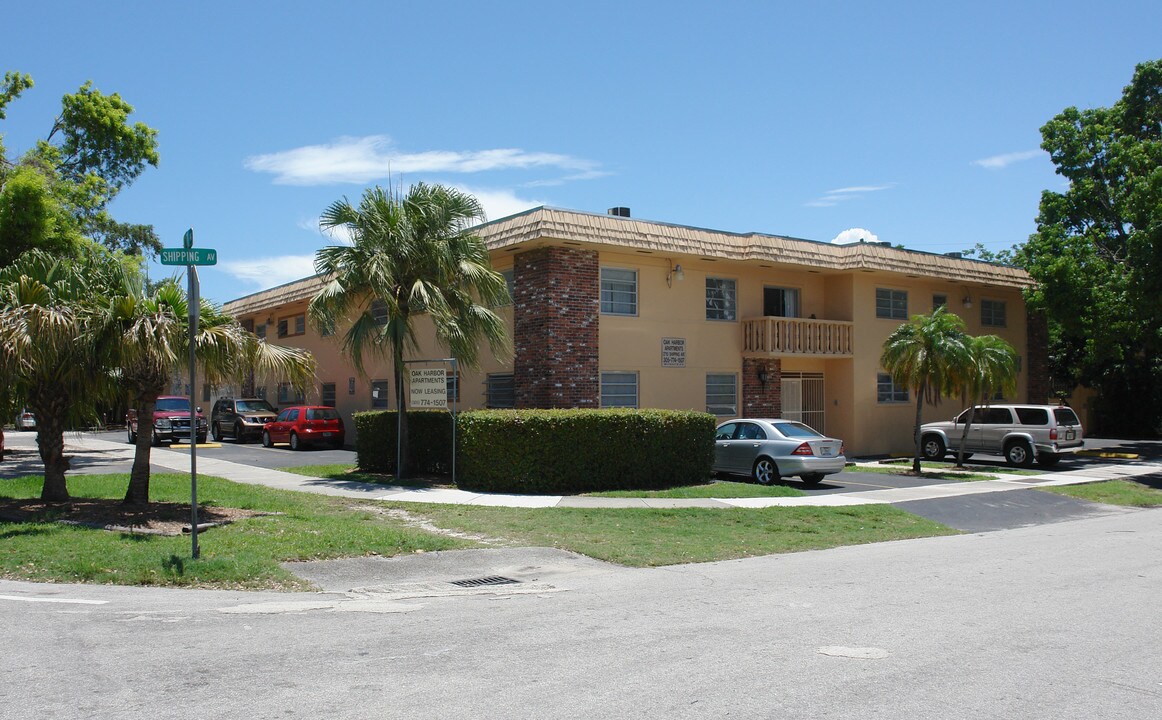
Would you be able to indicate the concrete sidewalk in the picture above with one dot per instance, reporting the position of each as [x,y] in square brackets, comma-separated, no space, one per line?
[92,453]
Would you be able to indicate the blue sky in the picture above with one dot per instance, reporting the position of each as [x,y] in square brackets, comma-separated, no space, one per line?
[915,122]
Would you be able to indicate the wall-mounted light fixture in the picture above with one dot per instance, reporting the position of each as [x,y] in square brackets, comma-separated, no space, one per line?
[763,377]
[967,300]
[674,273]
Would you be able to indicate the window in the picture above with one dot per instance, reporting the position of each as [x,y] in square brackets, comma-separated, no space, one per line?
[780,302]
[750,431]
[997,416]
[260,392]
[992,313]
[379,394]
[618,291]
[721,394]
[939,301]
[887,391]
[206,392]
[892,304]
[288,395]
[720,299]
[260,331]
[618,389]
[510,284]
[328,395]
[499,392]
[296,322]
[1033,416]
[379,312]
[452,384]
[726,432]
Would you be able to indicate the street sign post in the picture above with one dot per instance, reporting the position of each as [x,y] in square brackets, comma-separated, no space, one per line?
[189,256]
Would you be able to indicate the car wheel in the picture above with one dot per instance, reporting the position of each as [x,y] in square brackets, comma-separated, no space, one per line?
[765,471]
[238,432]
[216,431]
[132,437]
[294,442]
[266,441]
[201,439]
[1019,453]
[933,447]
[811,479]
[1048,459]
[155,440]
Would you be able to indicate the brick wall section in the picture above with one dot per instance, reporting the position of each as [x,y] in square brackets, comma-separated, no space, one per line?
[759,401]
[555,315]
[1038,388]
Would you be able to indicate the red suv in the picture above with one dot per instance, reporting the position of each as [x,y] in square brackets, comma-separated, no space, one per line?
[171,421]
[305,425]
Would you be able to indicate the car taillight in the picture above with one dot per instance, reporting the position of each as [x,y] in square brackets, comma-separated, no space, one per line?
[1053,433]
[803,449]
[842,449]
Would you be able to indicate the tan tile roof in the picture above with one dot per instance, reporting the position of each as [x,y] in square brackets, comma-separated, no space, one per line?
[544,223]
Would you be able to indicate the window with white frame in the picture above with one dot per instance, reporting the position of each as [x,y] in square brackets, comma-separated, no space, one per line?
[499,391]
[618,291]
[887,391]
[992,313]
[722,394]
[380,395]
[619,389]
[892,304]
[327,394]
[721,299]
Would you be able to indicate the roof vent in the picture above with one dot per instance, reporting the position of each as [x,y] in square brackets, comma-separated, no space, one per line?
[618,211]
[957,255]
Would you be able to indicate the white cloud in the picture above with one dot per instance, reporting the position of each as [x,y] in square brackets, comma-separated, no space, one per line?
[831,198]
[362,159]
[268,272]
[855,235]
[501,203]
[996,162]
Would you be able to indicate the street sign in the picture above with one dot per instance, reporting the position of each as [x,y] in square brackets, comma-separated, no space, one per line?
[188,239]
[189,256]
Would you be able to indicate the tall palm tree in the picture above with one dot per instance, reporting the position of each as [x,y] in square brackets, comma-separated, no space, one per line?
[53,345]
[990,363]
[409,255]
[154,341]
[925,354]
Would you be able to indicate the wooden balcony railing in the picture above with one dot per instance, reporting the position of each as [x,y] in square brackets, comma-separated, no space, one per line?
[783,336]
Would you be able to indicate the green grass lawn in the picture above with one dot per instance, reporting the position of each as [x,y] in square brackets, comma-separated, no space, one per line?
[718,489]
[892,466]
[930,474]
[245,554]
[1113,492]
[641,538]
[346,471]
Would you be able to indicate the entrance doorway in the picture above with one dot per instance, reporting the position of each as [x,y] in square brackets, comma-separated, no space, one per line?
[803,399]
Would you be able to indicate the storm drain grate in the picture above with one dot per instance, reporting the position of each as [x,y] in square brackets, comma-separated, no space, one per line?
[485,581]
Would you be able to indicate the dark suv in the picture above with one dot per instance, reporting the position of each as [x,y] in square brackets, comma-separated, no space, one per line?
[240,418]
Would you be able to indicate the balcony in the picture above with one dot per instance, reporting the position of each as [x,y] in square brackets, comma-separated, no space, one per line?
[797,337]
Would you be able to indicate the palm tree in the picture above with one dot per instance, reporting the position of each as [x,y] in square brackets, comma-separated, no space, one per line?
[409,255]
[53,345]
[925,354]
[990,363]
[154,342]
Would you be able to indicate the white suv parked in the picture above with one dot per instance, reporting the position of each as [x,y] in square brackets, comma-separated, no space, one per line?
[1022,433]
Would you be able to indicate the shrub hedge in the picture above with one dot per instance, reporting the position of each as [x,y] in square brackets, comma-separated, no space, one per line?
[573,451]
[429,441]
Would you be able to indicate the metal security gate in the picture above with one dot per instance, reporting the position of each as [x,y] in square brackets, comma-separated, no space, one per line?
[803,399]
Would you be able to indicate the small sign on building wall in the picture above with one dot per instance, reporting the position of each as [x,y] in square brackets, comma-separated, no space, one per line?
[429,387]
[673,352]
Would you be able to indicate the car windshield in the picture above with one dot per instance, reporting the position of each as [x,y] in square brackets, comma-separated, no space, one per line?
[254,406]
[322,414]
[171,404]
[1065,416]
[796,430]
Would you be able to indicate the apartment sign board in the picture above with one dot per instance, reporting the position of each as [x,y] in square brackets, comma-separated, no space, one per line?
[673,352]
[429,387]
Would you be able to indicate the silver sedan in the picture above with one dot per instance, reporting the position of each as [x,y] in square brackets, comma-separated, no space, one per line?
[767,449]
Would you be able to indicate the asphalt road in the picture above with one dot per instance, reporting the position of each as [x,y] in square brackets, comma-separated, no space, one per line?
[1052,621]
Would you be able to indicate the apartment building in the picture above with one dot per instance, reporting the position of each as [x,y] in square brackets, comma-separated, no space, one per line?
[613,311]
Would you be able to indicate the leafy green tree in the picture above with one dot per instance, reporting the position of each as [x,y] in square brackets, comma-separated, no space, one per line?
[1097,253]
[91,152]
[410,255]
[989,364]
[926,354]
[54,344]
[153,340]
